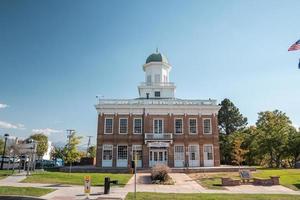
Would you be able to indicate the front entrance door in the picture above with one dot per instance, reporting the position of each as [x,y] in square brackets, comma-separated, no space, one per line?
[179,156]
[158,156]
[194,160]
[208,155]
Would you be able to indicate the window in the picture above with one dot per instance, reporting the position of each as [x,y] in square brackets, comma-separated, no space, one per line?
[148,79]
[137,126]
[179,152]
[107,152]
[123,125]
[122,152]
[207,126]
[157,93]
[178,126]
[208,151]
[194,152]
[157,78]
[108,126]
[158,126]
[137,152]
[193,126]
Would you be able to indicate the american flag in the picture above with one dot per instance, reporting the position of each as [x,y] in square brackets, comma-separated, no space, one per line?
[295,46]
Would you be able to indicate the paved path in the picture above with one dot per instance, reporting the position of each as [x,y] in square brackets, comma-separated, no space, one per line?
[183,184]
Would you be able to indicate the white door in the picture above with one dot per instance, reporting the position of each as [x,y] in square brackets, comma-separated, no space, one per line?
[137,154]
[194,160]
[107,155]
[158,157]
[122,158]
[179,156]
[208,155]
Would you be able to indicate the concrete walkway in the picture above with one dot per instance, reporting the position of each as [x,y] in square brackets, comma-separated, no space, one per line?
[183,184]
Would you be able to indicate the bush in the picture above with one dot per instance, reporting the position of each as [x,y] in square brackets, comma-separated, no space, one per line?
[160,173]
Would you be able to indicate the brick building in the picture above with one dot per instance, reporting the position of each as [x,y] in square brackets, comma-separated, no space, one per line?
[157,127]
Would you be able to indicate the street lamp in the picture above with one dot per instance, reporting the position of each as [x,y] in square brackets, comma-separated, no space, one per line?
[6,135]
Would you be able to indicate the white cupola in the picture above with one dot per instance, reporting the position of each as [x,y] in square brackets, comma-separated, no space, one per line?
[157,85]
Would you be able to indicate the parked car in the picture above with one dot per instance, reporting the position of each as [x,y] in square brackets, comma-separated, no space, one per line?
[7,159]
[44,164]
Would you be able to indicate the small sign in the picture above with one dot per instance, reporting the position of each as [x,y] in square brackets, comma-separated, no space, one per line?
[158,144]
[245,174]
[87,184]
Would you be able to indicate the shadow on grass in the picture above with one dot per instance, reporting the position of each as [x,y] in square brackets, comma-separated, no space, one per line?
[297,185]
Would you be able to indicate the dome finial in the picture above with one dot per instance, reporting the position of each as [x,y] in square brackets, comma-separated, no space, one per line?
[156,50]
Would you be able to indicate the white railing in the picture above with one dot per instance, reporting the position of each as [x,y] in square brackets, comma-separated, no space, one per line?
[158,136]
[157,84]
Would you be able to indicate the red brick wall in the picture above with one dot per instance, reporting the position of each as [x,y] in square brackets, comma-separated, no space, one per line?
[131,138]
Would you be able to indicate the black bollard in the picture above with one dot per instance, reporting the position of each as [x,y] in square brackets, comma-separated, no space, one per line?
[106,185]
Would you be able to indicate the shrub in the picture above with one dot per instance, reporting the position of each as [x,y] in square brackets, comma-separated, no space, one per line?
[160,172]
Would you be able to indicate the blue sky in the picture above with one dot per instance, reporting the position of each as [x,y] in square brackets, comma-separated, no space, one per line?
[56,56]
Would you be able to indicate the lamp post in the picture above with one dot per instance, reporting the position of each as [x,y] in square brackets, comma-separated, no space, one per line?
[5,138]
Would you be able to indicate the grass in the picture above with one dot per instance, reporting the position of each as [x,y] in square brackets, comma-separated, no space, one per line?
[173,196]
[24,191]
[5,173]
[288,177]
[76,178]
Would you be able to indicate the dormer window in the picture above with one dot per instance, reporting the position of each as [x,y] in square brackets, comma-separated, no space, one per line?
[157,93]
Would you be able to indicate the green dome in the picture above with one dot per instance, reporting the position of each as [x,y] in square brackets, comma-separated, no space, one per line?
[157,57]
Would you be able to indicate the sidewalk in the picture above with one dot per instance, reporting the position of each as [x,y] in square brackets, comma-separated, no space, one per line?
[183,184]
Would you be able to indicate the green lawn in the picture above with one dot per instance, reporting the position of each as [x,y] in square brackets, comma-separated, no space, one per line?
[76,178]
[164,196]
[24,191]
[5,173]
[288,177]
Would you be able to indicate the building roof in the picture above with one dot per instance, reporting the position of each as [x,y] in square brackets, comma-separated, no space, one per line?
[157,57]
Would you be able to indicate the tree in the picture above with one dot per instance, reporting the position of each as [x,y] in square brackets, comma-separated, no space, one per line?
[1,146]
[293,147]
[71,153]
[42,144]
[238,153]
[57,152]
[229,117]
[230,120]
[273,133]
[92,151]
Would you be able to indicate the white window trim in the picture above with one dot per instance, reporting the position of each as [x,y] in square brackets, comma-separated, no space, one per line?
[209,125]
[120,126]
[212,150]
[112,125]
[175,126]
[112,151]
[196,126]
[162,125]
[134,125]
[117,157]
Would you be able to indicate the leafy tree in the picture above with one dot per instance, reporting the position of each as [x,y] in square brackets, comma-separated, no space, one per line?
[293,147]
[273,133]
[230,120]
[1,146]
[92,151]
[238,152]
[229,117]
[42,143]
[71,153]
[57,152]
